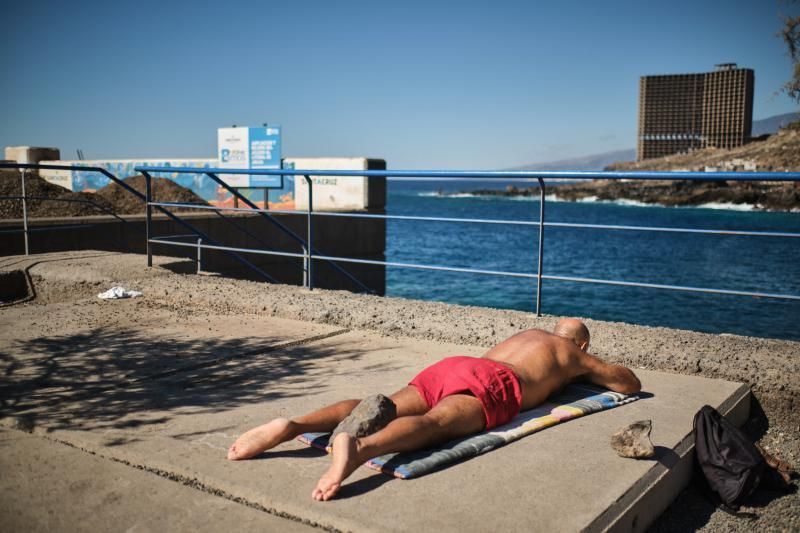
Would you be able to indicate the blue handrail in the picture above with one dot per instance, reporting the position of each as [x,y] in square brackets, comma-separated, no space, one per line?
[140,196]
[504,174]
[309,255]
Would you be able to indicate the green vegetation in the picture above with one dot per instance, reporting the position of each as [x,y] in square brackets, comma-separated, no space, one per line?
[790,33]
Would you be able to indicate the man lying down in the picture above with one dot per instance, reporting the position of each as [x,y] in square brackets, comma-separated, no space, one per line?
[456,397]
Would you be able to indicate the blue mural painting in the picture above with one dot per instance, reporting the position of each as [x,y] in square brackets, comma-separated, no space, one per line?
[281,196]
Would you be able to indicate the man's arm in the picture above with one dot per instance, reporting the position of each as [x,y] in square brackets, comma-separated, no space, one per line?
[614,377]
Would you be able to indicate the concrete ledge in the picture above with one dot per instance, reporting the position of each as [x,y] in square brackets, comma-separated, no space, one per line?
[654,492]
[126,381]
[164,383]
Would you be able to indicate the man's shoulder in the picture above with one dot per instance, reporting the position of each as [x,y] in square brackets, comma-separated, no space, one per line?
[534,332]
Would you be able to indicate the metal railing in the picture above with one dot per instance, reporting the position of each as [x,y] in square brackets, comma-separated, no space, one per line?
[196,233]
[26,229]
[308,250]
[309,256]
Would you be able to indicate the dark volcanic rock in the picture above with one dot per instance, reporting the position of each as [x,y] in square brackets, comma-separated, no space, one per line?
[777,153]
[163,190]
[46,199]
[634,440]
[771,196]
[369,416]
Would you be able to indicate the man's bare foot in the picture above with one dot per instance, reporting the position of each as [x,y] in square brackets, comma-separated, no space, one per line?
[260,439]
[345,461]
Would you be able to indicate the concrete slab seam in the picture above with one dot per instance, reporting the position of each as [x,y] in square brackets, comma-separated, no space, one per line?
[197,485]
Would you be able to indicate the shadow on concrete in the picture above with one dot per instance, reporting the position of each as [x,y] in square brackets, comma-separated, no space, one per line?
[666,456]
[363,486]
[643,395]
[112,378]
[186,266]
[299,453]
[690,511]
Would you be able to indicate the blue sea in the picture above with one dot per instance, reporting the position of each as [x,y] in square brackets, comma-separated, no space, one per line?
[759,264]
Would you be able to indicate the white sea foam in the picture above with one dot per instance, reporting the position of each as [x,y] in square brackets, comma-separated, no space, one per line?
[633,203]
[728,205]
[436,194]
[637,203]
[593,200]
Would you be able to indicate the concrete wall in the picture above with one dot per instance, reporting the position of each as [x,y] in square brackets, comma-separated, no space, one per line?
[82,180]
[31,154]
[331,193]
[333,236]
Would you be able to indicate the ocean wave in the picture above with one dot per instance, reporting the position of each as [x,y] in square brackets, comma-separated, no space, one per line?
[727,205]
[636,203]
[625,202]
[436,194]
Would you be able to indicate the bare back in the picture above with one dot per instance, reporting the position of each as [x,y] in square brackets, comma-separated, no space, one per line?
[545,363]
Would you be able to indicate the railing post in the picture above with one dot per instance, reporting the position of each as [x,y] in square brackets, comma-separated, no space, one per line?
[22,172]
[199,256]
[148,215]
[309,268]
[541,249]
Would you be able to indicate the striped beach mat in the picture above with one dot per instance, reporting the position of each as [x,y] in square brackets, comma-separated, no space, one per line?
[574,401]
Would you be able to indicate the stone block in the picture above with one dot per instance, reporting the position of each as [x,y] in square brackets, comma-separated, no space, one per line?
[31,154]
[333,193]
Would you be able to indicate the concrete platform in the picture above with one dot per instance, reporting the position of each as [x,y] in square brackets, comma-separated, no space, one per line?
[47,486]
[148,395]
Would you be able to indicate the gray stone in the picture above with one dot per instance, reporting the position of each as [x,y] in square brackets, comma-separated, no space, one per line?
[369,416]
[634,440]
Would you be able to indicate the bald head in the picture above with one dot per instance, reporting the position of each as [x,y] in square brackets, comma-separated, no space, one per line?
[574,330]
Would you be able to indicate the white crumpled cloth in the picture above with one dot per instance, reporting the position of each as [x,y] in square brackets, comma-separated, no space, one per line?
[118,292]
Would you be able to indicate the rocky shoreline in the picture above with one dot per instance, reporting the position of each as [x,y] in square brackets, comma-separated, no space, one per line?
[766,196]
[779,152]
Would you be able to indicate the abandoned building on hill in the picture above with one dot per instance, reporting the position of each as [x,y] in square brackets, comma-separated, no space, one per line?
[679,113]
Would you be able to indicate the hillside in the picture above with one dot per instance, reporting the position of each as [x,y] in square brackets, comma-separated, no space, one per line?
[599,161]
[779,153]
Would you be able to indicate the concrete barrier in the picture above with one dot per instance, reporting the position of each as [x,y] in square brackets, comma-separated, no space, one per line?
[332,193]
[337,236]
[31,154]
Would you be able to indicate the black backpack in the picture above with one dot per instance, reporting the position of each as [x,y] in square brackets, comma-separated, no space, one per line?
[732,465]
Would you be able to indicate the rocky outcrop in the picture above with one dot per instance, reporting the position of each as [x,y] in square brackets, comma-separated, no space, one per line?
[778,153]
[769,196]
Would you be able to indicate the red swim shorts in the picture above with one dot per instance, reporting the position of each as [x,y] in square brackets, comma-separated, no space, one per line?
[493,383]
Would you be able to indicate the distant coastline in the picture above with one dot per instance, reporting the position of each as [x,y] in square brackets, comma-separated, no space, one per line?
[764,196]
[779,152]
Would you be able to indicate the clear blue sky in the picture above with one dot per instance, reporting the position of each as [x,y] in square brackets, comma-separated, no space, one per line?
[422,84]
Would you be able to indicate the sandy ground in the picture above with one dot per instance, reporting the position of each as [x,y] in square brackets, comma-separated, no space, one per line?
[770,367]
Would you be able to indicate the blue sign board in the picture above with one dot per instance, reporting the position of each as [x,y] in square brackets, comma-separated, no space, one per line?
[254,148]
